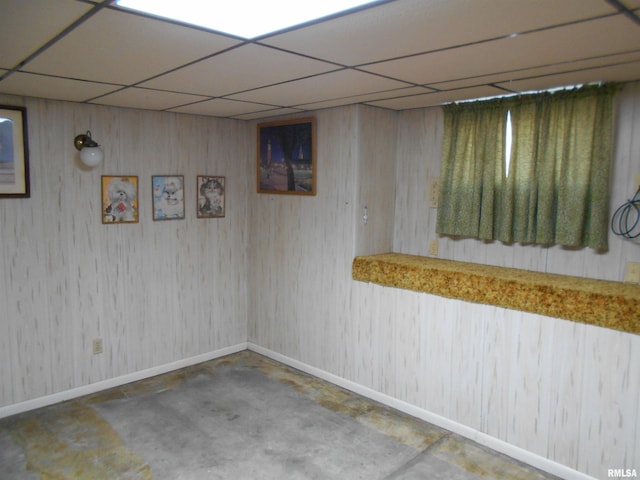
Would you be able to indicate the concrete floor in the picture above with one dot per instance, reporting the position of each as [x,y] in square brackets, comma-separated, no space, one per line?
[238,417]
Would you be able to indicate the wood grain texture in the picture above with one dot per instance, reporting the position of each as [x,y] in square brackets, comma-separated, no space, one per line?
[521,377]
[155,292]
[276,271]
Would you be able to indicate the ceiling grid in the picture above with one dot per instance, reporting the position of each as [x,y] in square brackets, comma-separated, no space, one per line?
[398,55]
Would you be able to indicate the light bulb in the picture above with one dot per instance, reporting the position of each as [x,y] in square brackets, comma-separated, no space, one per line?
[91,156]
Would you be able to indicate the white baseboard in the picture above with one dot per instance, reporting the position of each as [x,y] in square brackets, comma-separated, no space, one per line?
[496,444]
[117,381]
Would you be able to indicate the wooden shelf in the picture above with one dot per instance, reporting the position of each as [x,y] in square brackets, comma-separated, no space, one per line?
[603,303]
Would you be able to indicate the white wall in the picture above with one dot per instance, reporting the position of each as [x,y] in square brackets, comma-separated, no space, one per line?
[155,292]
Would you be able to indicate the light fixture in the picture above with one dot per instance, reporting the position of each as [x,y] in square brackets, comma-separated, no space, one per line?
[90,152]
[245,18]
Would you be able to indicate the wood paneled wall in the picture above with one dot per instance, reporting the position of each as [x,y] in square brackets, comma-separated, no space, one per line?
[276,271]
[155,292]
[565,391]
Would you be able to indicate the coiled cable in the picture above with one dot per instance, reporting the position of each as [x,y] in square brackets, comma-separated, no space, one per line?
[626,219]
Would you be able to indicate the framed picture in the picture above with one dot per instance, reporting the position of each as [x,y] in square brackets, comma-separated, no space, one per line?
[14,152]
[168,197]
[287,157]
[119,199]
[210,196]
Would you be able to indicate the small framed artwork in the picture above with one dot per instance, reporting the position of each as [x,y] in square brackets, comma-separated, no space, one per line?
[119,199]
[168,197]
[211,201]
[14,152]
[287,157]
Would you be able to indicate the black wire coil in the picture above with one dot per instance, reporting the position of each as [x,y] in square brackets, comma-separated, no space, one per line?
[626,219]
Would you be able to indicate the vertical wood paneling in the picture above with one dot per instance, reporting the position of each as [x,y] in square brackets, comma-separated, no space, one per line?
[566,391]
[528,390]
[376,179]
[276,271]
[466,366]
[529,380]
[142,288]
[301,253]
[609,413]
[438,337]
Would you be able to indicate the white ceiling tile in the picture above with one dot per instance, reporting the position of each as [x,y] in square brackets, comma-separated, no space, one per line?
[237,70]
[123,48]
[26,25]
[618,73]
[414,26]
[525,73]
[631,3]
[265,115]
[402,92]
[344,83]
[53,87]
[438,98]
[221,107]
[599,37]
[146,99]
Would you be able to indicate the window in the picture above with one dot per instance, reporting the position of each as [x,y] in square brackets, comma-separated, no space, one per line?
[532,169]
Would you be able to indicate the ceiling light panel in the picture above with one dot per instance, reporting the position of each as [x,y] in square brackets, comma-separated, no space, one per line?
[246,19]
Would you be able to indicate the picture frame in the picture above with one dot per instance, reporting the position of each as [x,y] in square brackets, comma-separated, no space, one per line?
[286,157]
[168,197]
[211,196]
[14,153]
[119,199]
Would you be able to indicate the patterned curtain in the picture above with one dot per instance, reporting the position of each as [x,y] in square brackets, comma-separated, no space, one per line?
[556,190]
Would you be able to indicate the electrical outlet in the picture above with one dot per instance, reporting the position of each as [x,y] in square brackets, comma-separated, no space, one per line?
[97,346]
[637,182]
[633,272]
[434,192]
[433,247]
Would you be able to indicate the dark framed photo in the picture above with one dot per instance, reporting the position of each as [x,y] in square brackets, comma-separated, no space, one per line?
[119,199]
[168,197]
[211,199]
[14,152]
[287,157]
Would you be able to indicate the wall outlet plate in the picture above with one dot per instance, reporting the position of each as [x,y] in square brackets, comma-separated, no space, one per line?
[433,247]
[97,346]
[632,272]
[637,183]
[434,192]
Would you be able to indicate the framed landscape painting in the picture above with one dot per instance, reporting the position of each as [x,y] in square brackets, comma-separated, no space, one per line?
[286,161]
[14,152]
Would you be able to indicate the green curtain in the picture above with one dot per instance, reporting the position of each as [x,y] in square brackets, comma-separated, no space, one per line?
[557,188]
[473,147]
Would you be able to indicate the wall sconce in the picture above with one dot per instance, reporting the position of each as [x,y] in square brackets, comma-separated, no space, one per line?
[90,152]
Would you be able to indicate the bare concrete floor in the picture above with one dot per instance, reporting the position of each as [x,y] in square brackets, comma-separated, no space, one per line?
[239,417]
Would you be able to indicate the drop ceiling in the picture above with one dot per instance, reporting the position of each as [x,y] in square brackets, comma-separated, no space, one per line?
[398,55]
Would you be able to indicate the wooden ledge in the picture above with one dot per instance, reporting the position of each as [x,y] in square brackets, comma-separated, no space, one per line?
[603,303]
